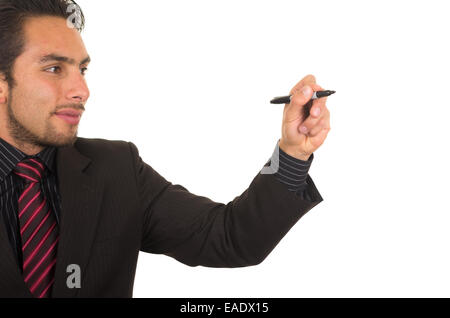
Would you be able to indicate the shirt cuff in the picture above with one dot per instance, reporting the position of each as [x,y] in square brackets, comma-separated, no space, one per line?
[288,170]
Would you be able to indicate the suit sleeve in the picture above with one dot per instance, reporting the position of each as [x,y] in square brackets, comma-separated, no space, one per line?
[195,230]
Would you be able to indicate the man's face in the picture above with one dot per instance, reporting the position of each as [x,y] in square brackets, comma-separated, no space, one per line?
[46,86]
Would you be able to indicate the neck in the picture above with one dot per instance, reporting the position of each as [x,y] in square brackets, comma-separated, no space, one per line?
[25,147]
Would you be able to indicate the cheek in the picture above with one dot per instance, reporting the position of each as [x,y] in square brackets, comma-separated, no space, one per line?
[39,98]
[44,91]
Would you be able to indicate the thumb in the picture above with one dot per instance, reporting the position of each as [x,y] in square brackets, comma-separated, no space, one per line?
[298,100]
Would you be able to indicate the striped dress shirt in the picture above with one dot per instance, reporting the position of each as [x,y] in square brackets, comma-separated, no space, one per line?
[12,185]
[291,171]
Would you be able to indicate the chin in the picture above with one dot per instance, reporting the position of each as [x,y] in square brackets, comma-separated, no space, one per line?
[67,142]
[60,141]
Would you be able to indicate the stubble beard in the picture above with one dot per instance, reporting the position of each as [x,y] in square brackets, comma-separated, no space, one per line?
[23,136]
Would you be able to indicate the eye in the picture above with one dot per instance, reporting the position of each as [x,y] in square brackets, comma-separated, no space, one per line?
[54,67]
[58,70]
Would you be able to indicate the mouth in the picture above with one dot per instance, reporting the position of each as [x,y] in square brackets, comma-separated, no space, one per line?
[71,117]
[69,112]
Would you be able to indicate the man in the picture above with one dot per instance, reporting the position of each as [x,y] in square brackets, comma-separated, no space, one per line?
[75,212]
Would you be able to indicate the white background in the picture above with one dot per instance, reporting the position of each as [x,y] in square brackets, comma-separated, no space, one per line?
[189,82]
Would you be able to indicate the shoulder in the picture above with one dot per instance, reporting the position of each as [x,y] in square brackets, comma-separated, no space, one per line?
[94,145]
[96,148]
[109,155]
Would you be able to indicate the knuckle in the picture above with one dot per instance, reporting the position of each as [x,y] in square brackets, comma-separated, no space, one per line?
[311,77]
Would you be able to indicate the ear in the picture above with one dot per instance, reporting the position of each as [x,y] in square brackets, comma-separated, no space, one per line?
[3,89]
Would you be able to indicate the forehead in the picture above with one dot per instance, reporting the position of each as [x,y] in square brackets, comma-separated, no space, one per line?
[45,35]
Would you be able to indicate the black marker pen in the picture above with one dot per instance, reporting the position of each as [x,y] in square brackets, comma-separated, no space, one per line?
[307,107]
[287,99]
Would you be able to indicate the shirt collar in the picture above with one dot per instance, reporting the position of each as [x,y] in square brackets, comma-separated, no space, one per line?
[10,156]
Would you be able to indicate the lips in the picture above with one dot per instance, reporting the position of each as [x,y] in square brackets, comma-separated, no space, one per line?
[69,112]
[70,116]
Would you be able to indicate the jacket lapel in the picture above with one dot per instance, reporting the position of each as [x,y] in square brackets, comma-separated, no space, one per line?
[81,194]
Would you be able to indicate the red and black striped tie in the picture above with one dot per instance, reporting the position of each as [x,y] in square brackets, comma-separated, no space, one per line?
[38,229]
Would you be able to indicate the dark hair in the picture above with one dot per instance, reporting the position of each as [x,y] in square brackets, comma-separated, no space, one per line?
[12,16]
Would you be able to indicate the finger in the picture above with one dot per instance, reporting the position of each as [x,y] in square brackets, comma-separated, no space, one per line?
[323,123]
[316,108]
[299,111]
[316,112]
[312,121]
[307,80]
[294,109]
[318,139]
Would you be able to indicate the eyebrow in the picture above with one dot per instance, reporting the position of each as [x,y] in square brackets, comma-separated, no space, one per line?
[65,59]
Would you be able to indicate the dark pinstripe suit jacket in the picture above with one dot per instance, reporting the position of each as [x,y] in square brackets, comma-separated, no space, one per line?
[115,205]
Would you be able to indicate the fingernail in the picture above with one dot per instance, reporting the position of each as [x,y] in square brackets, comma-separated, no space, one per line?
[306,90]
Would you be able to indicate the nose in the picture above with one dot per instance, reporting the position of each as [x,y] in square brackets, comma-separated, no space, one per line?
[78,90]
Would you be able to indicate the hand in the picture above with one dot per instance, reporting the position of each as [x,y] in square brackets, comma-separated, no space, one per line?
[294,141]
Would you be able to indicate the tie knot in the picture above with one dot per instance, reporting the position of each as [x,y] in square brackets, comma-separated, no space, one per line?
[31,169]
